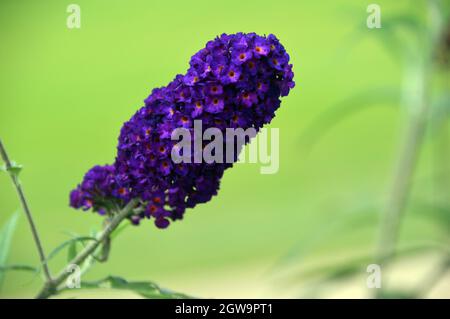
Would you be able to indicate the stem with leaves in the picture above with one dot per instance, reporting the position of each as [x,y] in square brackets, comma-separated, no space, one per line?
[52,285]
[51,288]
[12,170]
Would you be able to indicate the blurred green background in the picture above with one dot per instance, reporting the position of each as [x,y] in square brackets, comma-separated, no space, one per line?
[64,94]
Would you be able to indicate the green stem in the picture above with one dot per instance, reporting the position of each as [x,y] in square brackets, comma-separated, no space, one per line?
[50,289]
[418,107]
[27,211]
[401,186]
[398,196]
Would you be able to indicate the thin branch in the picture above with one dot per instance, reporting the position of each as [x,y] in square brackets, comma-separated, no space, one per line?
[50,289]
[27,211]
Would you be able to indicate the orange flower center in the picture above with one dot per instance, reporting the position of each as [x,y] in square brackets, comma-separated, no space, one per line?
[157,200]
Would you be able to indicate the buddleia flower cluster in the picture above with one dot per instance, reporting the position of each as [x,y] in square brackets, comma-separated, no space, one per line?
[236,81]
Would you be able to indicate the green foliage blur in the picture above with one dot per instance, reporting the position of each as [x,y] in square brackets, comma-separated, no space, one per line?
[308,231]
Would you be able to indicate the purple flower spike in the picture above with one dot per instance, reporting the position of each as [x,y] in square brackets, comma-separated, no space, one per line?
[236,81]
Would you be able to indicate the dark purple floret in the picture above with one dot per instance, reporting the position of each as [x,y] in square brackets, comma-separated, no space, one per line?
[235,81]
[99,190]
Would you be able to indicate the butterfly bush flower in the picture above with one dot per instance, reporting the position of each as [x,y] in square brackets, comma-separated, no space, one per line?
[236,81]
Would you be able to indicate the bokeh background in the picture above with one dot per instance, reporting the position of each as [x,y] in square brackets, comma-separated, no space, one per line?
[305,231]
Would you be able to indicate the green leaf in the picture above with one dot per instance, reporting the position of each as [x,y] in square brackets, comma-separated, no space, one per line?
[404,21]
[341,111]
[397,24]
[145,289]
[72,251]
[6,234]
[436,212]
[315,238]
[59,248]
[339,271]
[393,35]
[365,217]
[19,268]
[332,271]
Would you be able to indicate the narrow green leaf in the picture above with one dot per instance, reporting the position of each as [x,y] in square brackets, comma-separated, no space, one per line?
[315,238]
[146,289]
[72,251]
[59,248]
[365,217]
[338,271]
[392,35]
[18,268]
[332,271]
[437,212]
[6,234]
[350,106]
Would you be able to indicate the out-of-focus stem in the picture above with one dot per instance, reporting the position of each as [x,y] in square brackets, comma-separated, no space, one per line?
[404,171]
[418,108]
[27,211]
